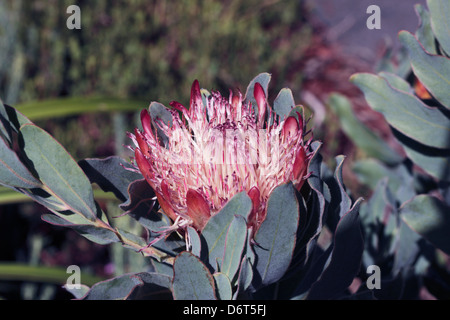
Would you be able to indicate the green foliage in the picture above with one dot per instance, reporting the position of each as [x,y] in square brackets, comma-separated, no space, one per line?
[284,102]
[218,226]
[363,138]
[146,49]
[60,174]
[192,279]
[406,218]
[428,215]
[410,116]
[66,107]
[277,236]
[439,11]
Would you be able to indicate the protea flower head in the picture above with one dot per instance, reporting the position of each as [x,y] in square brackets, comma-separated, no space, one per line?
[216,149]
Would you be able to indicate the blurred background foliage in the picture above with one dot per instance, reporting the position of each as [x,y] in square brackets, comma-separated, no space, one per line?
[146,49]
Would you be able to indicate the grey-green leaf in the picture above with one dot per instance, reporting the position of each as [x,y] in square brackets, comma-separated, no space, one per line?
[77,292]
[245,276]
[112,174]
[235,243]
[425,33]
[430,217]
[371,171]
[432,70]
[434,161]
[13,172]
[195,241]
[340,202]
[113,289]
[276,237]
[59,171]
[406,249]
[223,286]
[347,251]
[362,137]
[10,120]
[405,112]
[192,279]
[283,103]
[216,229]
[89,231]
[397,82]
[140,206]
[124,286]
[440,11]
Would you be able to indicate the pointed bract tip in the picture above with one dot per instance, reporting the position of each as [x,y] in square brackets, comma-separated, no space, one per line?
[146,121]
[178,106]
[300,164]
[254,194]
[198,209]
[290,127]
[141,142]
[144,166]
[260,98]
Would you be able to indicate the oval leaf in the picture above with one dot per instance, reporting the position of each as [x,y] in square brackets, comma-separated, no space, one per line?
[13,173]
[396,81]
[110,174]
[223,286]
[58,171]
[141,206]
[361,136]
[124,287]
[433,160]
[432,70]
[429,217]
[235,242]
[89,231]
[216,229]
[284,103]
[276,238]
[10,120]
[245,276]
[407,248]
[192,280]
[440,11]
[425,33]
[404,111]
[195,241]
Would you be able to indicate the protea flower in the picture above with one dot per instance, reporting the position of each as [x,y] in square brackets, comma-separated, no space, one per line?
[215,149]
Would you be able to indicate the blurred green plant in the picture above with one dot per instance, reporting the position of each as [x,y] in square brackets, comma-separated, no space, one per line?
[143,49]
[406,219]
[75,106]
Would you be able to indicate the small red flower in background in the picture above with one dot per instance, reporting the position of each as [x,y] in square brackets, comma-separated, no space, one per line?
[215,149]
